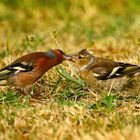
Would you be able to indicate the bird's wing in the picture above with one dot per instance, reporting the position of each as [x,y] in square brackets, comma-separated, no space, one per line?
[14,68]
[105,69]
[123,69]
[25,63]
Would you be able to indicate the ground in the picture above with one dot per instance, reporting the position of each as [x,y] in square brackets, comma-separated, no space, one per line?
[61,105]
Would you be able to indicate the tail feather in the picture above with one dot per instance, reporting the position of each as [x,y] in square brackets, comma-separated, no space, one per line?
[126,64]
[129,69]
[125,69]
[4,74]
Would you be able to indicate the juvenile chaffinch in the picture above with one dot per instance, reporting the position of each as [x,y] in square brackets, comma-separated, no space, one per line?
[29,68]
[103,68]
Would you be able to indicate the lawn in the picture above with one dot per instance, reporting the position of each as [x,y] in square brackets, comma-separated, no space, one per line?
[62,105]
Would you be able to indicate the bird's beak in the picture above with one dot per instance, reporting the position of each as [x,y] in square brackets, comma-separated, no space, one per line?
[68,57]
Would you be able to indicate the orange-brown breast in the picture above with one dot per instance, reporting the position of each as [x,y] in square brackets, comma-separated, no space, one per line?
[45,64]
[24,79]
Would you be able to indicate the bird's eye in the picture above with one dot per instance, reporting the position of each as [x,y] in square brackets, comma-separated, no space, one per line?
[80,57]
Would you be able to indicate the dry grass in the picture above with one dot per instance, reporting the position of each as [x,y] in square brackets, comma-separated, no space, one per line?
[62,106]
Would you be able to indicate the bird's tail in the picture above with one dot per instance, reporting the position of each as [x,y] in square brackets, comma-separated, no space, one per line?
[124,69]
[4,75]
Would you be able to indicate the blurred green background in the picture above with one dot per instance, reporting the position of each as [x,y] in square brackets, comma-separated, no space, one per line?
[77,21]
[68,109]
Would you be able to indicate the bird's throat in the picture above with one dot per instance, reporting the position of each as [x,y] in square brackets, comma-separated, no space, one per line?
[88,66]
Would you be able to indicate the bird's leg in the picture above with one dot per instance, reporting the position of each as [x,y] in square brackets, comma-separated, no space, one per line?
[21,91]
[25,91]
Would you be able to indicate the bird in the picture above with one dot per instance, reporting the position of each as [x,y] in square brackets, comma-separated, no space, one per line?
[103,68]
[27,69]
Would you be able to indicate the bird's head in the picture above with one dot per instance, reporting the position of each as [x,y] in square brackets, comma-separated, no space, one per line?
[59,55]
[83,58]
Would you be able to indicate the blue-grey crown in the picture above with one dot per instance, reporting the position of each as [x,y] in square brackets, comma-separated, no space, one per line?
[50,54]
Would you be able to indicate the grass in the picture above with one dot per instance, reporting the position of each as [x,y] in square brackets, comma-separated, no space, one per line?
[61,105]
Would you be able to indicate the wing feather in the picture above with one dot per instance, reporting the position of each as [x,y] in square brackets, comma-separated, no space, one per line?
[124,69]
[14,68]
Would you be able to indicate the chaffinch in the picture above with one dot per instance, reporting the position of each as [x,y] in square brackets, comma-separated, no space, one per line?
[103,68]
[29,68]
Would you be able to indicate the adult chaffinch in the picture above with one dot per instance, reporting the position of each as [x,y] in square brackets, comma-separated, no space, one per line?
[29,68]
[103,68]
